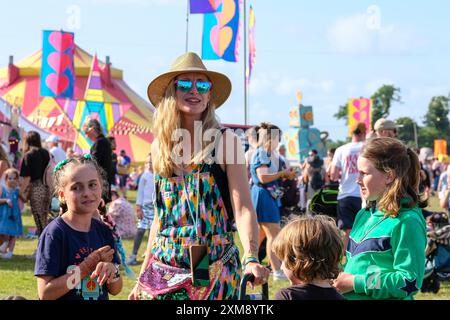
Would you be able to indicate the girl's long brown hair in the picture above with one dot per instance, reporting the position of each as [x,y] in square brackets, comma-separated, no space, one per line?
[391,155]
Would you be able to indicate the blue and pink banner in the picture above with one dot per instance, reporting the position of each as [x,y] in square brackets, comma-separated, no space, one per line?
[57,71]
[205,6]
[221,32]
[251,44]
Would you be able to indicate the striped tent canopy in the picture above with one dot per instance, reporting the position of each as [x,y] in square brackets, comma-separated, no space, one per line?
[100,92]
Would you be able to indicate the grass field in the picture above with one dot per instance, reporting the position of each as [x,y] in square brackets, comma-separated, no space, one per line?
[16,275]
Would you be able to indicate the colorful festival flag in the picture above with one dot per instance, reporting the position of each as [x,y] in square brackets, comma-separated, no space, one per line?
[221,32]
[57,71]
[440,147]
[205,6]
[359,110]
[251,44]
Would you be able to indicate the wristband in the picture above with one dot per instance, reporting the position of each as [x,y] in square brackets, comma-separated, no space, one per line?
[249,259]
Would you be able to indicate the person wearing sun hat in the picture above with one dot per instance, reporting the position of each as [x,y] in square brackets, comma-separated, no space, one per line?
[197,187]
[385,128]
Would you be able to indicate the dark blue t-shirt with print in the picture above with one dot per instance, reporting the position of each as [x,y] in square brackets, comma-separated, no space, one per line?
[61,248]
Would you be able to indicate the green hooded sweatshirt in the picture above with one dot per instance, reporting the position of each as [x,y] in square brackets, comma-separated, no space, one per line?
[387,255]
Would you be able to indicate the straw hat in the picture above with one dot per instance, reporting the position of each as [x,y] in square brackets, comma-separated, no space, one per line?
[190,62]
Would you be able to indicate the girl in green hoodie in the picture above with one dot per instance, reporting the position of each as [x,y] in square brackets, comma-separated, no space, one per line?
[385,256]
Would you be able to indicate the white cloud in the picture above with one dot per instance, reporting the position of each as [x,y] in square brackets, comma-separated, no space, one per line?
[357,35]
[288,86]
[350,35]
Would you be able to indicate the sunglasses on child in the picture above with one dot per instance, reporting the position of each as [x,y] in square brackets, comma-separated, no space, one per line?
[186,86]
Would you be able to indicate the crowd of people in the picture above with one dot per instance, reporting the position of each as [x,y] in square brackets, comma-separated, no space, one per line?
[194,194]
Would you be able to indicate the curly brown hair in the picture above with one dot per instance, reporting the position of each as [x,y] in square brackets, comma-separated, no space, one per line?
[311,247]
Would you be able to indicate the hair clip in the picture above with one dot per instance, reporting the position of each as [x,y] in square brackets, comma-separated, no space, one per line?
[61,164]
[87,156]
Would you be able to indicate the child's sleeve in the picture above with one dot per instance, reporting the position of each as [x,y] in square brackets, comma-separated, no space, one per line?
[48,254]
[408,242]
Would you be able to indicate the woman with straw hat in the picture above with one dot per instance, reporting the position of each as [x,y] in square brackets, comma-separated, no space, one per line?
[201,190]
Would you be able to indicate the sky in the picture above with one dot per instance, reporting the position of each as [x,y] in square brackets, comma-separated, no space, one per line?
[329,50]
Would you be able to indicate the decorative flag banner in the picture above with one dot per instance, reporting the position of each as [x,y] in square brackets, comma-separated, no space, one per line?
[221,32]
[205,6]
[57,71]
[359,110]
[251,44]
[440,148]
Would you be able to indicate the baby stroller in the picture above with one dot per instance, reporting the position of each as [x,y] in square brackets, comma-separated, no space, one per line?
[324,201]
[264,295]
[437,267]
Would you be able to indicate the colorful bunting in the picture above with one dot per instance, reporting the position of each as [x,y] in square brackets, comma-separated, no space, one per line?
[359,110]
[57,73]
[221,32]
[251,44]
[205,6]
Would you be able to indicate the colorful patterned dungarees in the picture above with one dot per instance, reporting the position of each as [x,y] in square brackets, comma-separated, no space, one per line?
[177,230]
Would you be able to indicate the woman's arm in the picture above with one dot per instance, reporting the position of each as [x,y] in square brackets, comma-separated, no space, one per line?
[265,177]
[443,202]
[245,215]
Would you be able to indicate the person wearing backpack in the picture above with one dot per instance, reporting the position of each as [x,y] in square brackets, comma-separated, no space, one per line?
[34,164]
[314,172]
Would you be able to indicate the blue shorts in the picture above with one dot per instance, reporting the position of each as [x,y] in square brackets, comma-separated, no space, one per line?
[146,222]
[266,207]
[123,178]
[347,208]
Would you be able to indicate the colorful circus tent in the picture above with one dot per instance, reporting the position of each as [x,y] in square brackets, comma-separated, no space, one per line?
[100,92]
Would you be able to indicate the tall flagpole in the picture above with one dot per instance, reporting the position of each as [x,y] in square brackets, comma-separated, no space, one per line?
[245,62]
[187,24]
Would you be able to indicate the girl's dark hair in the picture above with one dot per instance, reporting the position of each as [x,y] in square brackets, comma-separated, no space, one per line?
[59,183]
[391,155]
[32,140]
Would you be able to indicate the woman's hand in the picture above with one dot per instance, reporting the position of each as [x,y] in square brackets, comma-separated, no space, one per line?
[260,273]
[139,213]
[9,203]
[344,283]
[105,271]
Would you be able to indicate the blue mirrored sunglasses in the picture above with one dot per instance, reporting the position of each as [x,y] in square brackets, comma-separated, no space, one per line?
[186,86]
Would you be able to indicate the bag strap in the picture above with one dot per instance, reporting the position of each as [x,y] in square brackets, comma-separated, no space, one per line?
[220,177]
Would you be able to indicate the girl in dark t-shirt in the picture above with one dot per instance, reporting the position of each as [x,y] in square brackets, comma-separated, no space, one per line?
[310,249]
[77,254]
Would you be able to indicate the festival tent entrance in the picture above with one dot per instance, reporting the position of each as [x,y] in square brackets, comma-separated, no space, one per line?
[100,92]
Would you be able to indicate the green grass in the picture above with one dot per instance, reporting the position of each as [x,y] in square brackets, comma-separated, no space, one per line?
[16,275]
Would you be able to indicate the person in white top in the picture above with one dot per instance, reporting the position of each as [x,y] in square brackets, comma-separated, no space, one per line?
[57,152]
[144,207]
[344,168]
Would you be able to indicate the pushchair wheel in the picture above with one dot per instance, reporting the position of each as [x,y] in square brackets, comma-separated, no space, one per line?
[264,295]
[431,284]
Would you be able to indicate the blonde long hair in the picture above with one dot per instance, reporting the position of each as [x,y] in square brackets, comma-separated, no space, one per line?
[167,119]
[391,155]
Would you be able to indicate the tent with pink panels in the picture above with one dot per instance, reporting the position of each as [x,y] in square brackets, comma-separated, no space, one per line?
[99,92]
